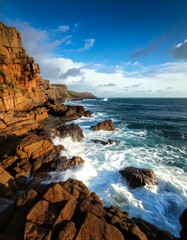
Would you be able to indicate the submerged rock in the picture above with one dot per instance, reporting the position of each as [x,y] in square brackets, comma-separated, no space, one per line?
[109,142]
[137,177]
[105,125]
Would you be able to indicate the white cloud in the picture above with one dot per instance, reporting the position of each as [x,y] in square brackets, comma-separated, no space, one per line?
[180,50]
[66,39]
[88,44]
[63,28]
[130,79]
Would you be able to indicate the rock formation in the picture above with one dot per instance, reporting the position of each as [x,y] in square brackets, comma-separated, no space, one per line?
[19,74]
[109,142]
[105,125]
[71,130]
[23,92]
[137,177]
[68,210]
[67,112]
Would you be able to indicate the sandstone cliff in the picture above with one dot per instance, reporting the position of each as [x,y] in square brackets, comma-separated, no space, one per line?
[20,83]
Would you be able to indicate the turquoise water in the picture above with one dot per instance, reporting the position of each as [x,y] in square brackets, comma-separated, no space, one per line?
[150,133]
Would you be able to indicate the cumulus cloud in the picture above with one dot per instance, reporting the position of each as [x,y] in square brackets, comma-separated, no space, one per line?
[72,72]
[180,50]
[63,28]
[121,80]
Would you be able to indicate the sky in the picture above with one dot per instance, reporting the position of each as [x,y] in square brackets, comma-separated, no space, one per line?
[112,48]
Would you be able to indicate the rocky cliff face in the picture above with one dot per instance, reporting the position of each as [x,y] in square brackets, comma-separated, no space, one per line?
[20,83]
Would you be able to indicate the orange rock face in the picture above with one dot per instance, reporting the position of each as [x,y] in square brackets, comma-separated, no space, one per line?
[19,74]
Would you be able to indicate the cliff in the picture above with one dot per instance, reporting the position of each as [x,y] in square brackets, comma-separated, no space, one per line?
[20,83]
[23,93]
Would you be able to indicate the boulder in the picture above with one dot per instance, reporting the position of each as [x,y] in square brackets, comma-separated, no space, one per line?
[105,125]
[137,177]
[33,152]
[64,163]
[71,130]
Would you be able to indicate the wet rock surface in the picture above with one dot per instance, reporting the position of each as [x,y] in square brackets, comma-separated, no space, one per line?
[105,125]
[137,177]
[67,112]
[71,130]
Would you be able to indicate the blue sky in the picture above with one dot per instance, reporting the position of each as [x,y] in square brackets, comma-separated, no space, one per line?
[113,48]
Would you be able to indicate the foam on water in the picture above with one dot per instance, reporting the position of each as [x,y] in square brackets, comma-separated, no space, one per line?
[161,204]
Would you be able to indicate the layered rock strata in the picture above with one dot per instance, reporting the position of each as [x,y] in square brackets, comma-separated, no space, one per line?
[19,74]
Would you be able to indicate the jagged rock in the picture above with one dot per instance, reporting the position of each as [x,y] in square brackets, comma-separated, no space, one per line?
[183,222]
[57,92]
[105,125]
[33,152]
[71,130]
[67,211]
[137,177]
[7,184]
[64,163]
[67,112]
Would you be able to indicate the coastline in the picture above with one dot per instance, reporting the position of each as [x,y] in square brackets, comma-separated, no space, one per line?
[66,210]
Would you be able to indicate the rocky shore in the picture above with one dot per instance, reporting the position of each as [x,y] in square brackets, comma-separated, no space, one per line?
[64,210]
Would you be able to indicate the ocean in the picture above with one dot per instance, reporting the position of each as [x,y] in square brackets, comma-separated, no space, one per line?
[150,133]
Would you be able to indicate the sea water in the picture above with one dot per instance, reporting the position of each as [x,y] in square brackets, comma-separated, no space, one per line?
[150,133]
